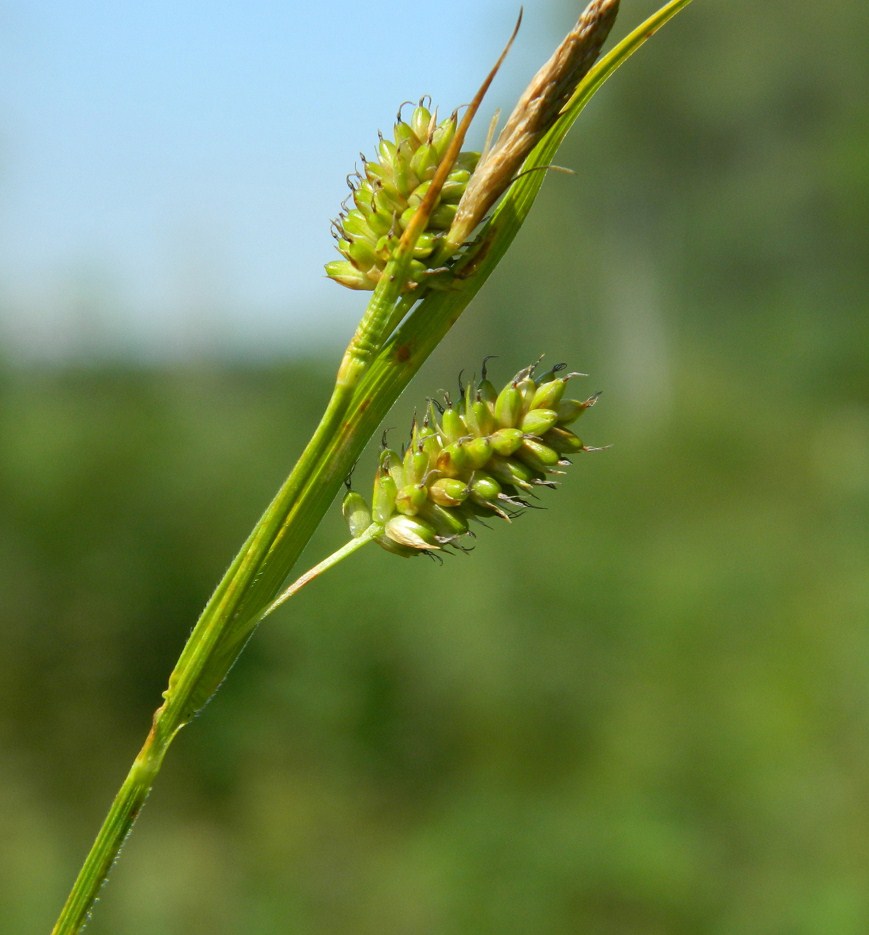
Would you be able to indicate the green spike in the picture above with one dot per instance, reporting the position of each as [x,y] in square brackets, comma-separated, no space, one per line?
[387,194]
[463,463]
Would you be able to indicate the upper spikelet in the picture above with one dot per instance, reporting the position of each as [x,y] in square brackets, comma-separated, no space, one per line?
[476,458]
[387,192]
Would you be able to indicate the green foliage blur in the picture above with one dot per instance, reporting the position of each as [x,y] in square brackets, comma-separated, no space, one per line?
[642,710]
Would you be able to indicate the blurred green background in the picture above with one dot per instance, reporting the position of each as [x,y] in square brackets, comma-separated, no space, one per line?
[645,710]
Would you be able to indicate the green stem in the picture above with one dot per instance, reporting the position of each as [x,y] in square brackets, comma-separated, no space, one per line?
[371,533]
[118,824]
[224,627]
[134,791]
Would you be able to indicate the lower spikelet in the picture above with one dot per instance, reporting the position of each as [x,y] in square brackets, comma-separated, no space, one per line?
[387,192]
[477,458]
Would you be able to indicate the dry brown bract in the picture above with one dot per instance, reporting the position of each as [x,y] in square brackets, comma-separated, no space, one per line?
[535,112]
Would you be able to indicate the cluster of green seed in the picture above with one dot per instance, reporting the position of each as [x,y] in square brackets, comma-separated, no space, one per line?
[474,459]
[386,194]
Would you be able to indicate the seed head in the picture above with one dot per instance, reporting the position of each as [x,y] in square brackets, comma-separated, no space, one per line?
[386,194]
[479,457]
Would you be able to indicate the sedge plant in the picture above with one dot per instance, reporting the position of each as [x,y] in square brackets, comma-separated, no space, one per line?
[425,225]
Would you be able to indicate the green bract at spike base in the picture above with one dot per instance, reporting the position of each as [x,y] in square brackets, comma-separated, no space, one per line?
[388,192]
[474,459]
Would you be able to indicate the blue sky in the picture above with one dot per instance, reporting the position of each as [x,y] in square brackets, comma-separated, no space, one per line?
[168,171]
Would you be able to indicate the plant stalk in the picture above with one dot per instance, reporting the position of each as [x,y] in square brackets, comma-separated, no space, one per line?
[379,362]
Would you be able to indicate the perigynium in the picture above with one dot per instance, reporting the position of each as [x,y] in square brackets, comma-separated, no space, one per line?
[428,224]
